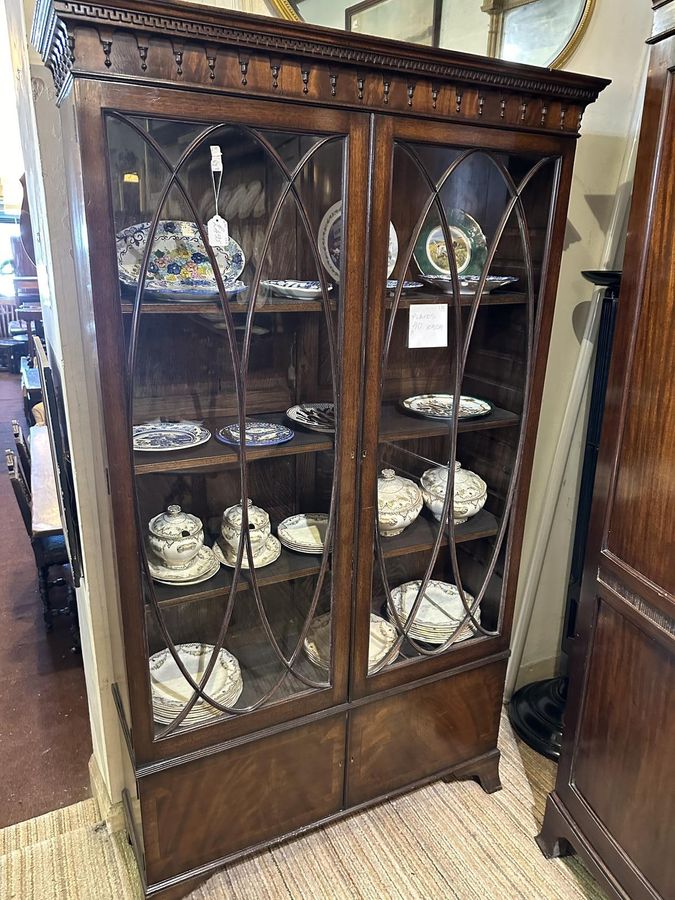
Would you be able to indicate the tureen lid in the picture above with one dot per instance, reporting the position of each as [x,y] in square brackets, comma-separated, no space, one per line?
[396,492]
[257,517]
[471,485]
[174,523]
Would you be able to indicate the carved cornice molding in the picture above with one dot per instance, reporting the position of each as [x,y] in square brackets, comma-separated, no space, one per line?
[55,21]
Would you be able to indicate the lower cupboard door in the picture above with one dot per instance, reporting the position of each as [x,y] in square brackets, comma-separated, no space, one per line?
[411,736]
[216,806]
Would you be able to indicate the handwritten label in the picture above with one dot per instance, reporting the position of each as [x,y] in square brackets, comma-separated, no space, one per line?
[218,232]
[428,325]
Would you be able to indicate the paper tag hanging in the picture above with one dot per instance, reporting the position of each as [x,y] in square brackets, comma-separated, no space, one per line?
[216,159]
[428,325]
[218,232]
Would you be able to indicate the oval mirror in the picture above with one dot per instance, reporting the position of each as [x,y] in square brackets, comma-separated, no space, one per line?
[537,32]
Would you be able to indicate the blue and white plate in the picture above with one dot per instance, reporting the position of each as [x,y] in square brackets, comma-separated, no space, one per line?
[469,283]
[296,290]
[179,267]
[258,434]
[161,436]
[392,284]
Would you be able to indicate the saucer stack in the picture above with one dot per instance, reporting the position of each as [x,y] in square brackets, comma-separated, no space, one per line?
[317,642]
[171,692]
[304,533]
[439,614]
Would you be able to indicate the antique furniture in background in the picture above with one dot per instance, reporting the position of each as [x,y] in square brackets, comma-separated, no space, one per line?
[614,800]
[298,688]
[537,32]
[536,710]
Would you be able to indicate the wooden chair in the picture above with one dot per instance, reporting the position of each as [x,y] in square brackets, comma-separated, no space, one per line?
[49,551]
[22,450]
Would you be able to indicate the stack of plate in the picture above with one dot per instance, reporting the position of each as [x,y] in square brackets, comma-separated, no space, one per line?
[171,692]
[304,533]
[202,567]
[439,614]
[317,642]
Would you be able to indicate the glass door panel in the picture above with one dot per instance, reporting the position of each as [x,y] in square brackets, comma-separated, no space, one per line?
[232,347]
[460,320]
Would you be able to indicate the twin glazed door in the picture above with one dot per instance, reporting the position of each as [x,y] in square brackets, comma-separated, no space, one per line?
[303,513]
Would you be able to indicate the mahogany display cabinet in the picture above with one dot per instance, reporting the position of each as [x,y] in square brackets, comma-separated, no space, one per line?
[297,682]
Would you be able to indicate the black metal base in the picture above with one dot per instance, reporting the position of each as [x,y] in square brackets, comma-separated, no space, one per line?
[536,713]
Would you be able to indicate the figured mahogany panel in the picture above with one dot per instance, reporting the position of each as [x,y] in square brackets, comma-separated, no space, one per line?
[620,768]
[217,805]
[413,735]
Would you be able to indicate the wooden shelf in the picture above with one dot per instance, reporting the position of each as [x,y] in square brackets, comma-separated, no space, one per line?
[395,425]
[418,537]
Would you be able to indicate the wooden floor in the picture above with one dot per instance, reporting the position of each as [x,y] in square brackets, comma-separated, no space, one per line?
[45,741]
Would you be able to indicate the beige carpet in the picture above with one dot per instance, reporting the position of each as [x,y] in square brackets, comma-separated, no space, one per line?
[443,841]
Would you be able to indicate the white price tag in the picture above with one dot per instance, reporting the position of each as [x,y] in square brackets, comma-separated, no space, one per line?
[218,232]
[216,159]
[428,325]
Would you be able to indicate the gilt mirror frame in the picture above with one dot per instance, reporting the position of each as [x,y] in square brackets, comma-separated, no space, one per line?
[285,9]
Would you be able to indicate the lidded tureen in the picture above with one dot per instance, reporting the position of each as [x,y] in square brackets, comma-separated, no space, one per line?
[399,501]
[469,496]
[175,536]
[258,527]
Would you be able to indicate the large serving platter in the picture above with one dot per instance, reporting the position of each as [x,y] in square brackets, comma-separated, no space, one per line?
[439,406]
[439,614]
[314,416]
[257,434]
[330,242]
[392,285]
[202,567]
[295,290]
[158,437]
[317,643]
[468,284]
[304,533]
[171,692]
[179,267]
[468,241]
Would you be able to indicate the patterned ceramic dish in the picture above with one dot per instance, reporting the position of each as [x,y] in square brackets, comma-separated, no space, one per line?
[470,492]
[175,536]
[265,556]
[439,406]
[469,283]
[296,290]
[399,502]
[330,242]
[158,437]
[392,284]
[439,614]
[304,533]
[317,642]
[258,434]
[468,241]
[200,568]
[315,416]
[179,266]
[171,692]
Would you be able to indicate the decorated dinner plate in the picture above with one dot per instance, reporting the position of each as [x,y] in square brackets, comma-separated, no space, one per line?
[392,284]
[315,416]
[317,643]
[296,290]
[178,267]
[469,283]
[330,242]
[304,533]
[468,242]
[440,612]
[204,566]
[439,406]
[257,434]
[270,552]
[171,692]
[161,436]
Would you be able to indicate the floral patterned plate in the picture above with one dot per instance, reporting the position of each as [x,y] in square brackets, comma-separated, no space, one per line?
[330,242]
[161,436]
[296,290]
[179,267]
[258,434]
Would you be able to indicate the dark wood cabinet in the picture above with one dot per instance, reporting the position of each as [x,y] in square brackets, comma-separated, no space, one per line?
[352,163]
[614,800]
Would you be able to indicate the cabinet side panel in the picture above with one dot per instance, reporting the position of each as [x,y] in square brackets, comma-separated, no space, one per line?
[413,735]
[213,807]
